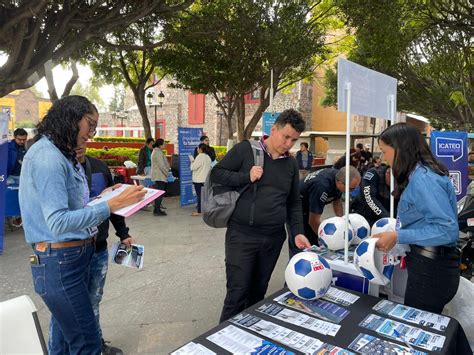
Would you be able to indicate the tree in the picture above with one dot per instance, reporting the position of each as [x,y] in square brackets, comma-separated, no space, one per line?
[36,32]
[227,48]
[135,65]
[427,46]
[90,91]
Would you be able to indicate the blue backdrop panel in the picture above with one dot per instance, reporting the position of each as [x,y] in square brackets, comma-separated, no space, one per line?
[188,139]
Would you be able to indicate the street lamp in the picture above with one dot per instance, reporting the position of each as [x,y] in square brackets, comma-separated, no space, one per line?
[149,99]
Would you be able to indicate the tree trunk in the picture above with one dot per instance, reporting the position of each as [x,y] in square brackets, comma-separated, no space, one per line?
[240,104]
[257,116]
[139,95]
[73,80]
[48,73]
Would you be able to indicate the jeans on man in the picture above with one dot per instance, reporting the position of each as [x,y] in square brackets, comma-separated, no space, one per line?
[61,279]
[97,274]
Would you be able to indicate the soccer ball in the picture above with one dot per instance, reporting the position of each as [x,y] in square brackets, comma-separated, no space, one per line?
[385,224]
[374,264]
[308,275]
[361,227]
[331,233]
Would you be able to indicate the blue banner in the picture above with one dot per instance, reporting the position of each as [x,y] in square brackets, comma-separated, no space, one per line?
[450,148]
[269,119]
[3,171]
[188,139]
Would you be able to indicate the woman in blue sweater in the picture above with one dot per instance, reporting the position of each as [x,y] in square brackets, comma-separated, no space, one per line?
[426,218]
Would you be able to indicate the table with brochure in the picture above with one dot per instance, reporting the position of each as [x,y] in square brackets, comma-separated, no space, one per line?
[343,322]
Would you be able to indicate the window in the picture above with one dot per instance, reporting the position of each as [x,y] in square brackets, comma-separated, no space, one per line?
[252,97]
[196,108]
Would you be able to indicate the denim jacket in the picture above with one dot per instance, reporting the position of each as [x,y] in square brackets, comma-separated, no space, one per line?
[427,211]
[52,197]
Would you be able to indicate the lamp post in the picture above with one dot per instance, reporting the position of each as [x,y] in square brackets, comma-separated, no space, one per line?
[150,101]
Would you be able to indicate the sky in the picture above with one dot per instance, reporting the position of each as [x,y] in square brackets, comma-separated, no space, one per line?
[61,76]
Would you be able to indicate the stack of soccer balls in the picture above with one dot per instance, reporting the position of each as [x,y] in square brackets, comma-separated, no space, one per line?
[331,231]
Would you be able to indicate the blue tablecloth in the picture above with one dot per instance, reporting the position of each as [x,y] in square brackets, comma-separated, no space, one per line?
[12,206]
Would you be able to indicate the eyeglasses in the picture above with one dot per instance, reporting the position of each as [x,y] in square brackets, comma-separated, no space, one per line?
[92,125]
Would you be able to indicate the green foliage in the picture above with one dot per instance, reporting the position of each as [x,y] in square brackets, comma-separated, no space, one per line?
[91,91]
[119,139]
[220,151]
[427,46]
[118,154]
[25,124]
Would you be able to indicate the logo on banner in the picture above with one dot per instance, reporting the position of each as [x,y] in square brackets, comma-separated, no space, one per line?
[450,148]
[455,177]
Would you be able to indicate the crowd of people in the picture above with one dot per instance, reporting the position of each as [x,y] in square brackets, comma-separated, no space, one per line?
[69,238]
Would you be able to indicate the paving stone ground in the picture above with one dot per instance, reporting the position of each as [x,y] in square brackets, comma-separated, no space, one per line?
[177,296]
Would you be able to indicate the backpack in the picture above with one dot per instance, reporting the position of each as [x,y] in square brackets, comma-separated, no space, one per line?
[217,208]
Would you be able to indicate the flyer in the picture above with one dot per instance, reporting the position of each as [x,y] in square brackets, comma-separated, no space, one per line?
[286,336]
[238,341]
[319,308]
[299,319]
[341,297]
[403,332]
[132,256]
[412,315]
[151,194]
[368,344]
[193,349]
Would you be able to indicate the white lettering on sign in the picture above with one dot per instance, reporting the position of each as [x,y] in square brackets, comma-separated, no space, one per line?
[450,145]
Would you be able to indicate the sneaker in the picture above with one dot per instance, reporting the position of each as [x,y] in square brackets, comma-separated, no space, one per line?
[110,350]
[160,213]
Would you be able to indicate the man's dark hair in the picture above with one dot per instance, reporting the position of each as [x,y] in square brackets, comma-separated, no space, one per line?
[159,142]
[411,150]
[61,123]
[293,118]
[360,146]
[203,138]
[305,144]
[149,140]
[20,132]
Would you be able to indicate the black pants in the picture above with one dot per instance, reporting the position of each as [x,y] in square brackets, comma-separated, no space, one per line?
[198,186]
[249,260]
[160,185]
[431,283]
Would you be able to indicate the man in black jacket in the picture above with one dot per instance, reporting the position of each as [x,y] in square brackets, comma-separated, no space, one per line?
[211,152]
[256,230]
[98,178]
[373,201]
[144,160]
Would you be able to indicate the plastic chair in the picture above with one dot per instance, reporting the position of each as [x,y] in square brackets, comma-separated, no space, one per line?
[20,330]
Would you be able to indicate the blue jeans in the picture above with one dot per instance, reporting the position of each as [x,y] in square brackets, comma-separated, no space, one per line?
[61,278]
[97,274]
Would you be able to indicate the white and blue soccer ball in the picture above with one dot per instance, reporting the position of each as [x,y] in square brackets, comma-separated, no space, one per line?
[374,264]
[361,227]
[308,275]
[331,233]
[385,224]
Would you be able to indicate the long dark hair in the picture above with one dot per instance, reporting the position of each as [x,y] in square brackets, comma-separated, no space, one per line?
[61,123]
[410,149]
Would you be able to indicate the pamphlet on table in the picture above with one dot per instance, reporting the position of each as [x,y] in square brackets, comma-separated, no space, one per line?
[193,349]
[368,344]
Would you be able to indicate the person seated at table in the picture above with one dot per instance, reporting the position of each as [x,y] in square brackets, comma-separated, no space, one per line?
[16,152]
[426,218]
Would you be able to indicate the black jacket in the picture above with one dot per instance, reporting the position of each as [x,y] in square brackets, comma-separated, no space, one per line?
[142,158]
[211,151]
[99,178]
[277,194]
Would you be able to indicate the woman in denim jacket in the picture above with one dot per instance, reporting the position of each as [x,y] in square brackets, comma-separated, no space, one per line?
[58,225]
[426,218]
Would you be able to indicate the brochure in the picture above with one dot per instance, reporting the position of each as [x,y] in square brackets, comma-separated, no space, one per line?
[412,315]
[403,332]
[131,256]
[299,319]
[193,349]
[319,308]
[286,336]
[368,344]
[151,195]
[238,341]
[341,297]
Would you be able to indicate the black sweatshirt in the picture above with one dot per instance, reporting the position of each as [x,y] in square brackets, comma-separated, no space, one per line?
[98,178]
[277,196]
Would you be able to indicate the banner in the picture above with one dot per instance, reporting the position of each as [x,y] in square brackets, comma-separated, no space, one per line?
[188,139]
[370,90]
[269,119]
[3,171]
[450,148]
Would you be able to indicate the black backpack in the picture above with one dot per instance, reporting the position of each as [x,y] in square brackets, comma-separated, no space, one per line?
[217,208]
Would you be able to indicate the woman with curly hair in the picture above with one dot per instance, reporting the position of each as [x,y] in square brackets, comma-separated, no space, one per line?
[60,227]
[426,218]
